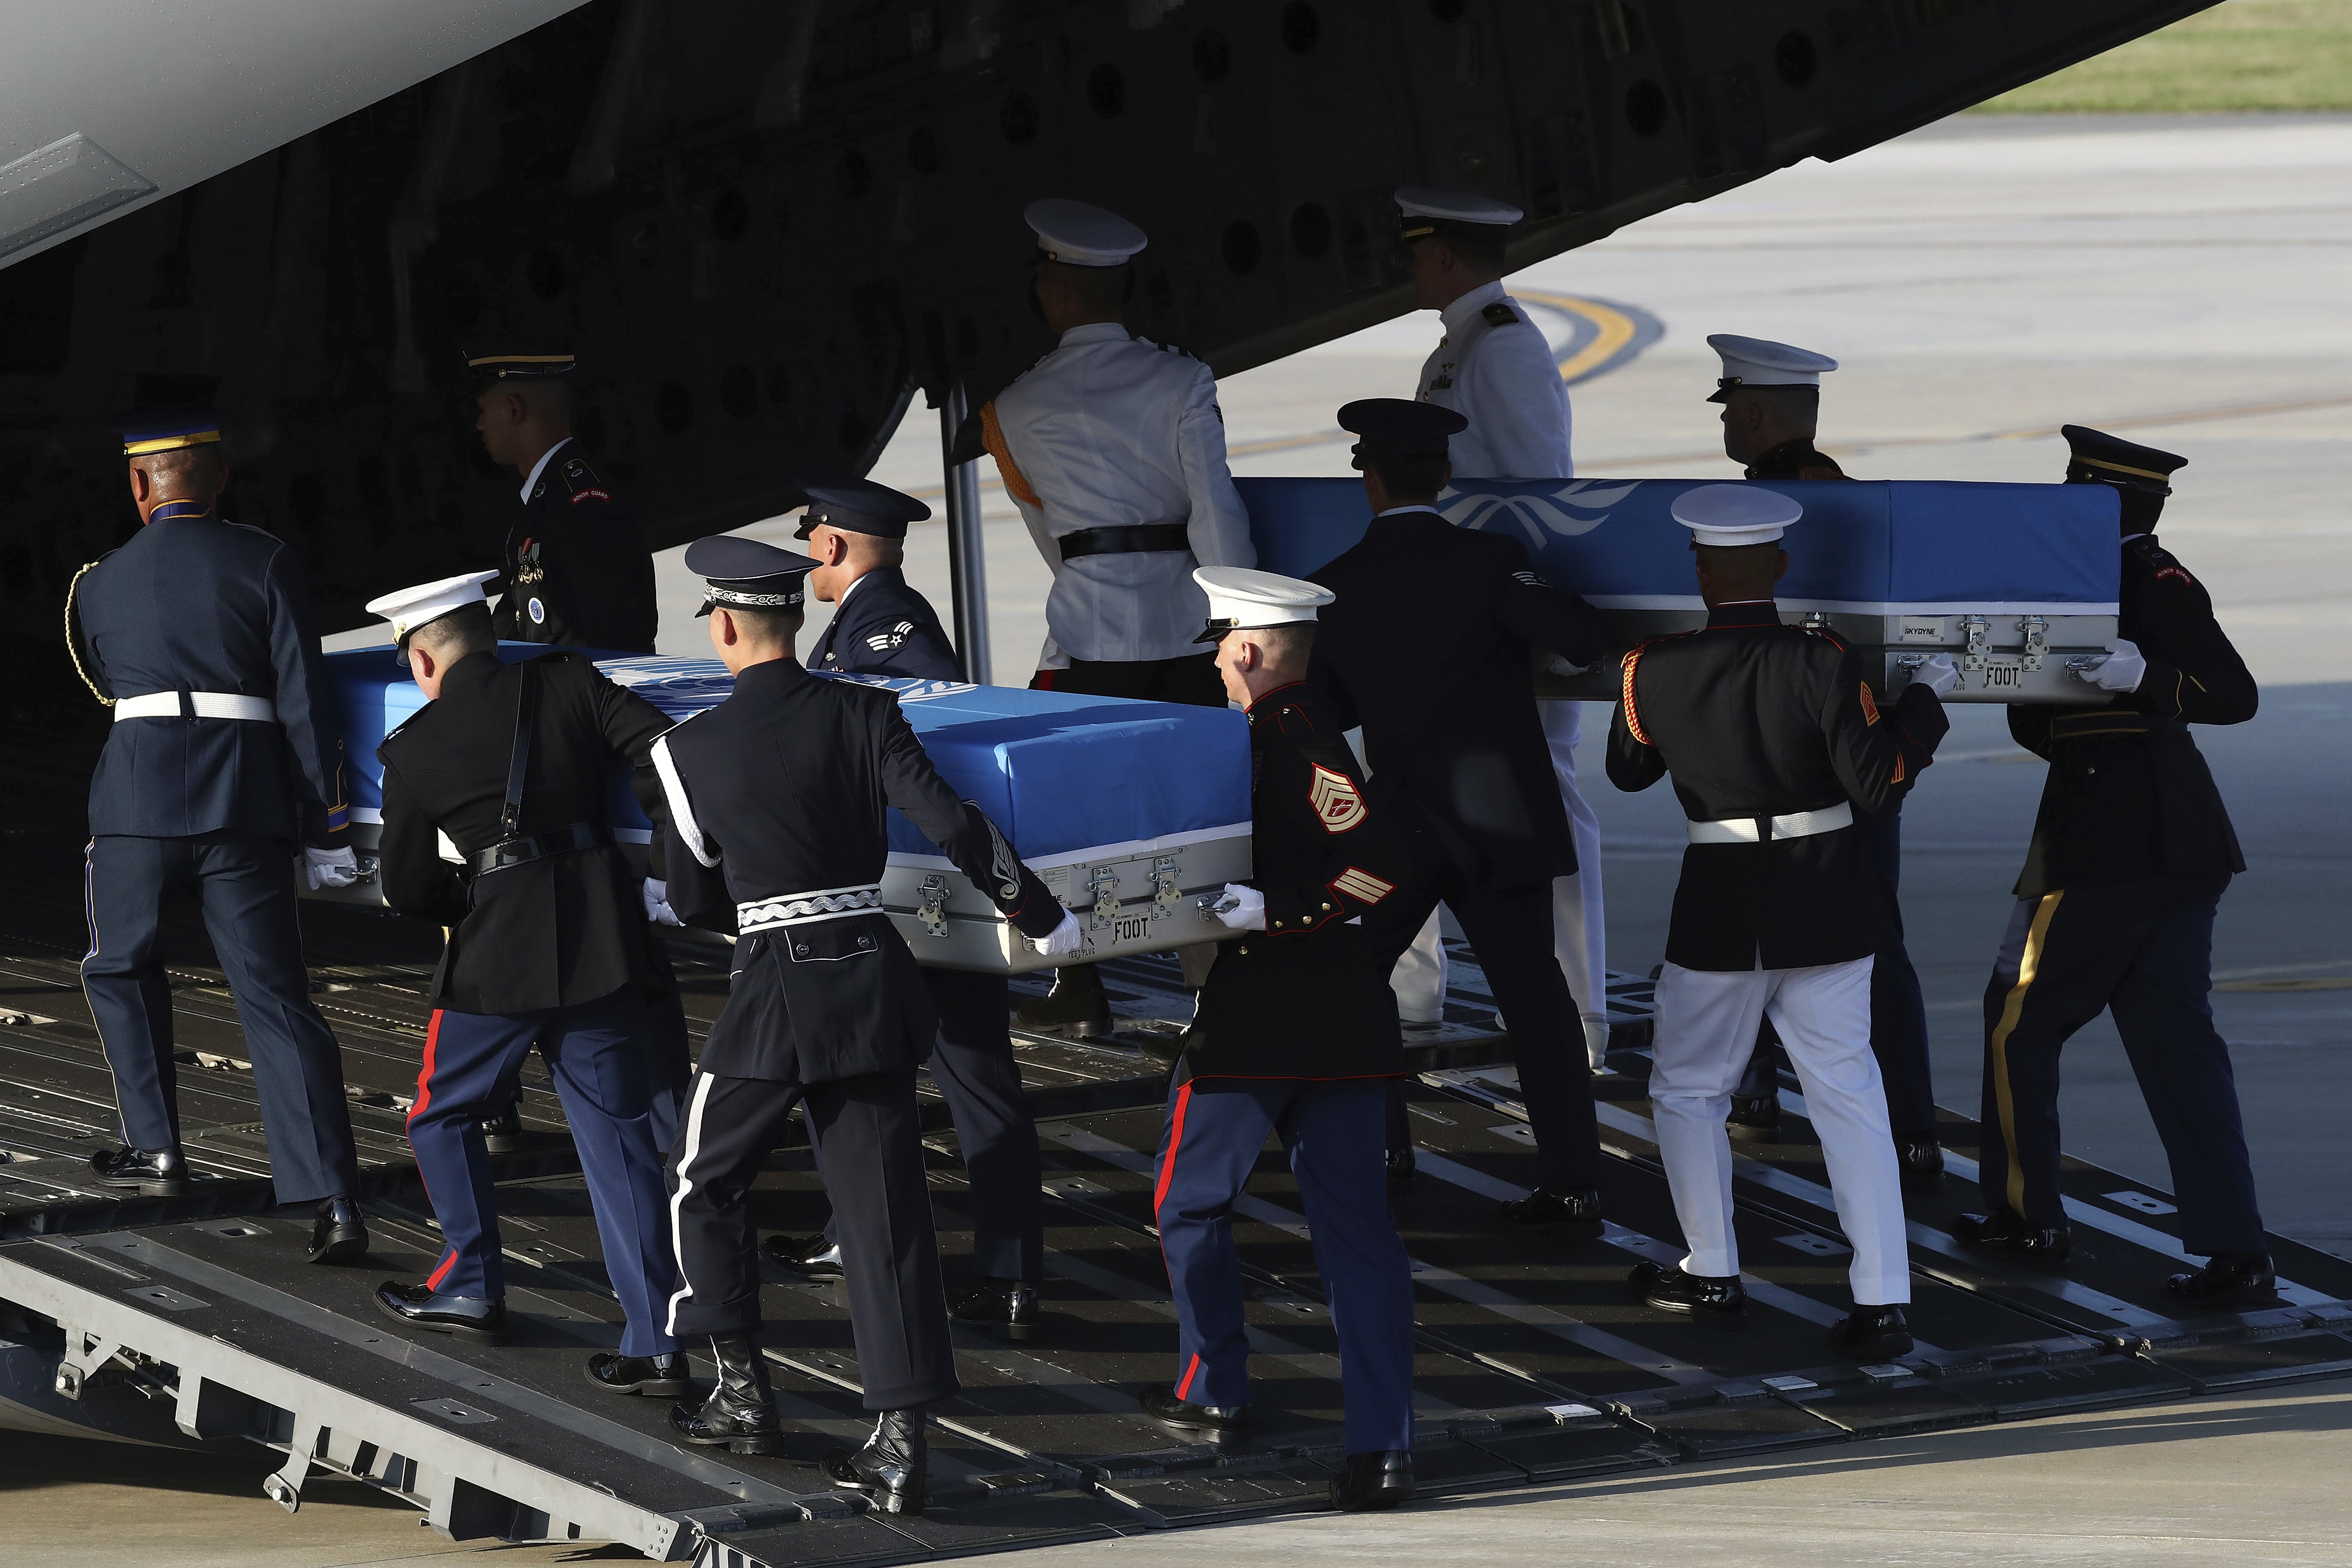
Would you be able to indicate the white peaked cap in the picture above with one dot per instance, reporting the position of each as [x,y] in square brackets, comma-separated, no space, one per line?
[1759,362]
[1241,599]
[1454,206]
[1730,516]
[412,607]
[1079,234]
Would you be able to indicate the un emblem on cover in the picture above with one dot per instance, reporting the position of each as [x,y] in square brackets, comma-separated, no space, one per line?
[1337,802]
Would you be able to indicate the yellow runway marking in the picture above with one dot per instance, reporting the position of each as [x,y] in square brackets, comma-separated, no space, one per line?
[1612,330]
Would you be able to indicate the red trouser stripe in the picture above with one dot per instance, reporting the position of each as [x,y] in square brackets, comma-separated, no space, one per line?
[1184,1388]
[1175,1143]
[423,1099]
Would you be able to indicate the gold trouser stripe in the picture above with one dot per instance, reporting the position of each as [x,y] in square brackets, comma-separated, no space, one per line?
[2028,964]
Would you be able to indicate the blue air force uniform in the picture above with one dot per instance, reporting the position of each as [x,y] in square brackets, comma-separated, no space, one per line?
[548,946]
[2131,852]
[226,759]
[776,834]
[1296,1034]
[882,626]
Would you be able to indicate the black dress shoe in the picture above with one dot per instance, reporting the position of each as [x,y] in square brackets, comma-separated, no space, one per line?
[1706,1300]
[741,1414]
[1008,1306]
[810,1257]
[1075,1007]
[1401,1167]
[1872,1333]
[662,1376]
[1919,1160]
[477,1319]
[1373,1481]
[890,1465]
[1754,1120]
[339,1235]
[502,1133]
[1159,1402]
[1558,1209]
[2005,1230]
[2227,1278]
[155,1172]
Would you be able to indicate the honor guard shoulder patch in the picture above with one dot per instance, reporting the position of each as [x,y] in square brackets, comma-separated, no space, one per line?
[1869,705]
[1338,804]
[1529,579]
[1361,885]
[1500,314]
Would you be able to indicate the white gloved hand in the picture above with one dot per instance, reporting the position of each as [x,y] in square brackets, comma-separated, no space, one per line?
[658,908]
[1596,1041]
[1939,674]
[1240,909]
[2122,670]
[330,867]
[1063,940]
[1558,664]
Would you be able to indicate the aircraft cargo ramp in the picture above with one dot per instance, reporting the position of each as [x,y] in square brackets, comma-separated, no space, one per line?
[196,1320]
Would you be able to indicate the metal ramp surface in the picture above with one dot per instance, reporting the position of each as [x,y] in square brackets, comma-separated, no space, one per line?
[196,1320]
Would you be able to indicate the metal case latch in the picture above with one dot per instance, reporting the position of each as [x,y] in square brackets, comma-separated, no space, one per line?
[1973,656]
[1165,895]
[932,904]
[2037,641]
[1102,881]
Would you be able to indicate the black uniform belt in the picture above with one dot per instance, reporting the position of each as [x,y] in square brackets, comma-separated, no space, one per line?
[2106,722]
[512,852]
[1141,541]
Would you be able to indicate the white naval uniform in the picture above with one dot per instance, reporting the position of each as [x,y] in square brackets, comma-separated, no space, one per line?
[1499,374]
[1706,1029]
[1112,431]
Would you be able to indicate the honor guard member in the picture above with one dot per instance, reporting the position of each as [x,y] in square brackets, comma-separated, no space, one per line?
[1771,396]
[1773,738]
[1455,744]
[776,834]
[224,764]
[1495,367]
[856,530]
[547,946]
[574,565]
[1114,450]
[1295,1033]
[2131,853]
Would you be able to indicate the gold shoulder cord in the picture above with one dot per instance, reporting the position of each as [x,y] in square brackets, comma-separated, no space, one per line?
[73,643]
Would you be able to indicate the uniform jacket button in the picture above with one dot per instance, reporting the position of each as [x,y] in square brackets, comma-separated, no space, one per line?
[802,949]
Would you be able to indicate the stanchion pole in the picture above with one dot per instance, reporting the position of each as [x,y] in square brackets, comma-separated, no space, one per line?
[967,564]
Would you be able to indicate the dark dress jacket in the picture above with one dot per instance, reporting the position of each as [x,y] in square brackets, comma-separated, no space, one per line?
[575,567]
[885,628]
[199,604]
[1795,460]
[778,795]
[1426,647]
[1303,998]
[1755,719]
[551,932]
[2128,795]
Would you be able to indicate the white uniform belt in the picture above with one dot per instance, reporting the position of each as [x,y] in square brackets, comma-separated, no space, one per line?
[807,909]
[205,705]
[1796,825]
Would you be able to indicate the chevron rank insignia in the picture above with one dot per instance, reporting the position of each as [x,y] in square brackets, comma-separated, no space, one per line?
[1869,705]
[1339,804]
[1361,886]
[883,642]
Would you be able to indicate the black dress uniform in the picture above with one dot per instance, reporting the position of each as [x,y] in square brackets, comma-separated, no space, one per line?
[225,760]
[2131,852]
[548,945]
[1456,748]
[776,834]
[882,626]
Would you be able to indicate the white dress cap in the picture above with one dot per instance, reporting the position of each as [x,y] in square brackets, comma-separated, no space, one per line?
[1728,516]
[1424,201]
[412,607]
[1758,361]
[1241,599]
[1079,234]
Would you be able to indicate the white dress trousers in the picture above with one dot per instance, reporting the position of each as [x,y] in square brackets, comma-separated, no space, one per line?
[1705,1028]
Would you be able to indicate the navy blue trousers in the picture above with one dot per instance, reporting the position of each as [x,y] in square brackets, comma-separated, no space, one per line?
[1898,1012]
[2143,950]
[245,885]
[973,1067]
[1333,1132]
[602,1058]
